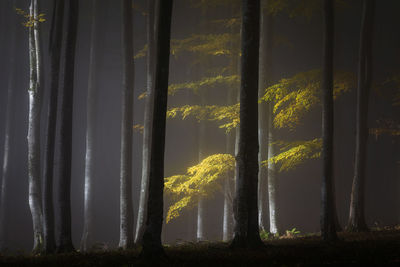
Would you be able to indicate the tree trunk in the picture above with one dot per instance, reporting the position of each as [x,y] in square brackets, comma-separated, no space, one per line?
[8,138]
[246,230]
[274,227]
[55,54]
[87,235]
[65,143]
[35,106]
[357,218]
[152,235]
[266,41]
[148,115]
[328,229]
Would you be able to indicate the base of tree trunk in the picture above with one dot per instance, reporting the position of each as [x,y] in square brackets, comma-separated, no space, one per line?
[67,248]
[357,227]
[154,253]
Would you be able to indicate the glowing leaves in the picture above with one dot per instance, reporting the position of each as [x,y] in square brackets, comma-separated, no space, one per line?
[30,20]
[227,114]
[203,179]
[294,97]
[294,153]
[226,81]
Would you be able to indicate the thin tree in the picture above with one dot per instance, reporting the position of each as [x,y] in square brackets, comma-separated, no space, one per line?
[328,229]
[152,235]
[126,238]
[65,143]
[356,221]
[35,106]
[266,36]
[87,235]
[246,232]
[55,55]
[148,115]
[6,175]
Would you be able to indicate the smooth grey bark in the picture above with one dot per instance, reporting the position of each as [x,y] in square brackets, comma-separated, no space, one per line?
[328,226]
[148,115]
[8,138]
[266,43]
[64,240]
[55,55]
[152,236]
[88,216]
[246,228]
[35,106]
[200,235]
[274,227]
[126,238]
[356,221]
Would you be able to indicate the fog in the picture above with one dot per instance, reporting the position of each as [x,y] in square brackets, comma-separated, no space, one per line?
[300,50]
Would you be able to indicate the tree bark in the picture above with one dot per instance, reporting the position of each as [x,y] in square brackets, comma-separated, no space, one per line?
[357,208]
[35,106]
[148,115]
[246,229]
[152,235]
[55,55]
[65,144]
[126,238]
[88,219]
[266,41]
[328,229]
[8,139]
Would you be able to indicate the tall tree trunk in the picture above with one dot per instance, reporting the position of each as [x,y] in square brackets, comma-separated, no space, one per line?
[328,226]
[274,226]
[65,143]
[200,236]
[152,235]
[266,41]
[5,175]
[87,235]
[246,230]
[35,106]
[55,55]
[357,218]
[148,115]
[126,238]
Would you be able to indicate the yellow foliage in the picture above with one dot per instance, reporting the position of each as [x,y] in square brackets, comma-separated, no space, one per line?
[229,114]
[294,153]
[294,97]
[31,20]
[203,179]
[228,81]
[138,128]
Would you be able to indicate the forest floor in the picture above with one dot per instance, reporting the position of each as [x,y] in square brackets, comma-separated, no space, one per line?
[379,247]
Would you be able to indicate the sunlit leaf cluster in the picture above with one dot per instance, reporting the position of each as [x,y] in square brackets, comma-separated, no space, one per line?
[295,96]
[229,115]
[385,126]
[294,153]
[208,82]
[30,20]
[201,180]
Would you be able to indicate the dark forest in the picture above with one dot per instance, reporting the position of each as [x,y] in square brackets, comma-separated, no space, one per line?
[161,132]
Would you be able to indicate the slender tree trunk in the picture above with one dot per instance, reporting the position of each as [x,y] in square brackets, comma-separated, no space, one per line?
[152,235]
[35,106]
[88,220]
[5,175]
[65,143]
[328,229]
[357,208]
[126,238]
[266,40]
[274,227]
[148,116]
[246,230]
[55,54]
